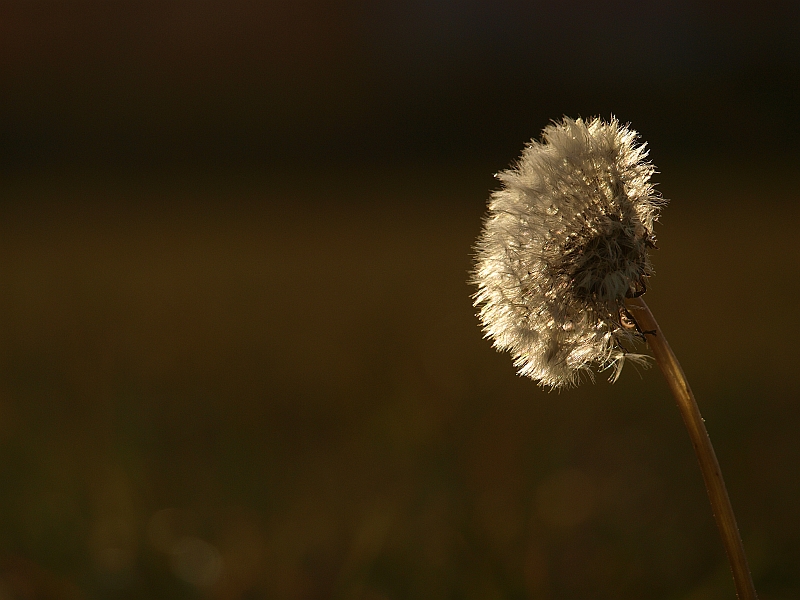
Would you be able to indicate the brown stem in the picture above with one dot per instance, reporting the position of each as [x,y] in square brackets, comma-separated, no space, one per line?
[715,485]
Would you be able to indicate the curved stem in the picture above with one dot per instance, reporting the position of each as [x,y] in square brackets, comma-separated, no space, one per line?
[715,485]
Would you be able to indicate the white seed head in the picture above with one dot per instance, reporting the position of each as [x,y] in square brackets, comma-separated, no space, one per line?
[564,243]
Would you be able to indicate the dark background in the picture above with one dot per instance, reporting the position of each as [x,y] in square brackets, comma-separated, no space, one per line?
[238,357]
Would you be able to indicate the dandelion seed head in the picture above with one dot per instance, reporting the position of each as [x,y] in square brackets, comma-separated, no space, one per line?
[564,242]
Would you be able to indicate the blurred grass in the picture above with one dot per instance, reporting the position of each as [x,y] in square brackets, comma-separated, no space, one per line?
[278,389]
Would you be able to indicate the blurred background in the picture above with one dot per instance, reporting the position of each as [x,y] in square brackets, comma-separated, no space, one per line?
[238,356]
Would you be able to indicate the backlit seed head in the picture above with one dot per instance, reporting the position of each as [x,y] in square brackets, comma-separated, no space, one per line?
[564,242]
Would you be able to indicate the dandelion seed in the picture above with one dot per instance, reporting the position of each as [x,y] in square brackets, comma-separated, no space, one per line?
[564,243]
[561,268]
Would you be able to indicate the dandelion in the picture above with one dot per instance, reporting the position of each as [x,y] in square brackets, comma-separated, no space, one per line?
[562,264]
[564,244]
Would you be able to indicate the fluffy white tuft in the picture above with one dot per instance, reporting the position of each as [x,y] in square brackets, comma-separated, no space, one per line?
[564,243]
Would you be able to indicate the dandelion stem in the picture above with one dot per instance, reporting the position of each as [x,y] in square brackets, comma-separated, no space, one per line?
[715,485]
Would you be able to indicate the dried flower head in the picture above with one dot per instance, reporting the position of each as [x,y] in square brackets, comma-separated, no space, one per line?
[564,243]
